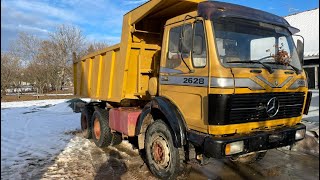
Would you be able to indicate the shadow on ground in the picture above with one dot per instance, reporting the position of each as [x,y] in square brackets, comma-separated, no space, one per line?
[114,168]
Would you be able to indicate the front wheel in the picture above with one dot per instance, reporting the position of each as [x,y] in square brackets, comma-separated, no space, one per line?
[164,160]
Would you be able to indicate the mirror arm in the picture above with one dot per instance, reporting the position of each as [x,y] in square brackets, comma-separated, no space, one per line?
[298,48]
[300,36]
[180,44]
[184,21]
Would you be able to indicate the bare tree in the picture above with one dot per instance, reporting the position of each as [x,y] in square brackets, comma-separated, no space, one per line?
[10,68]
[26,46]
[67,39]
[36,74]
[48,56]
[41,59]
[48,63]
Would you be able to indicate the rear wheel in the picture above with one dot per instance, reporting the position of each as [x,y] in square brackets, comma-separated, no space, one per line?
[101,133]
[249,158]
[85,122]
[164,160]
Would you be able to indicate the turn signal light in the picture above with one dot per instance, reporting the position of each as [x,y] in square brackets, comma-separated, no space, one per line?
[234,147]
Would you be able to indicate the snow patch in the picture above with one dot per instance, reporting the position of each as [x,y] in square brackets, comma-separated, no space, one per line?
[31,133]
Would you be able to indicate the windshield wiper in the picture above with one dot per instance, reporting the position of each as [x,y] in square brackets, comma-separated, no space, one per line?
[298,71]
[269,68]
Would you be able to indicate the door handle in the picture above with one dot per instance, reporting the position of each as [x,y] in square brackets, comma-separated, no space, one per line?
[164,79]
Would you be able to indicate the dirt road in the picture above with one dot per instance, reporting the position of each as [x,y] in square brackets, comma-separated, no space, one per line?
[83,160]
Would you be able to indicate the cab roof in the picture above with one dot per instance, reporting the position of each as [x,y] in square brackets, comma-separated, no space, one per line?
[216,9]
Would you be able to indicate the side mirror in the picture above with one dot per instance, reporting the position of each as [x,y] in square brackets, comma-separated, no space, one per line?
[300,50]
[197,45]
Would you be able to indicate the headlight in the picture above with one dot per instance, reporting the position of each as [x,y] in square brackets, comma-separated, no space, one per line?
[300,134]
[233,148]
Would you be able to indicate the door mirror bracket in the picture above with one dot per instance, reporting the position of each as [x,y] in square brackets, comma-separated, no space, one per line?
[182,33]
[300,48]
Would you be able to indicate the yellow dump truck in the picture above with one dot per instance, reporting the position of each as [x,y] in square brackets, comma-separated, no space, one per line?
[194,79]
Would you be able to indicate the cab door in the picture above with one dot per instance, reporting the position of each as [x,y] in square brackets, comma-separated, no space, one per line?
[185,83]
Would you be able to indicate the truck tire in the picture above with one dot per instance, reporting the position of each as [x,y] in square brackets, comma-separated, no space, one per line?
[250,158]
[163,159]
[85,122]
[101,132]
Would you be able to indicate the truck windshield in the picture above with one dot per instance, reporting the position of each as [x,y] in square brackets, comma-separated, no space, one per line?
[243,43]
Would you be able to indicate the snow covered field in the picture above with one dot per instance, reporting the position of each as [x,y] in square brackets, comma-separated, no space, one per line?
[35,140]
[32,132]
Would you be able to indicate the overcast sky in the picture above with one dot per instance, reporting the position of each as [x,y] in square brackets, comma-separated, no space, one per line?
[100,20]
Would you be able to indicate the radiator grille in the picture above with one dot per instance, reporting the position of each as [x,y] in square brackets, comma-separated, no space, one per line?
[252,107]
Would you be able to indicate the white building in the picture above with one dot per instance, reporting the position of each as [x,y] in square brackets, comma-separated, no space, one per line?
[308,23]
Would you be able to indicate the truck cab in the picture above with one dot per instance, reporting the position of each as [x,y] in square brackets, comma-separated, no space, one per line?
[232,70]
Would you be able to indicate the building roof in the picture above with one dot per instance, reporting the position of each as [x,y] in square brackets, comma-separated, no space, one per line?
[308,23]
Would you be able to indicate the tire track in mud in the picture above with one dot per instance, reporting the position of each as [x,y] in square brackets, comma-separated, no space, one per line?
[81,159]
[119,161]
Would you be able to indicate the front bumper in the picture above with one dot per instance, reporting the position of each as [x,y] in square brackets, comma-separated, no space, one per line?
[258,141]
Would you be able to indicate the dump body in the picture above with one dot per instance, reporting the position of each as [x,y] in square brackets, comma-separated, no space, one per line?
[102,76]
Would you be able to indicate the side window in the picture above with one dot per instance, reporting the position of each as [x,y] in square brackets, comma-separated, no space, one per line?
[199,51]
[176,45]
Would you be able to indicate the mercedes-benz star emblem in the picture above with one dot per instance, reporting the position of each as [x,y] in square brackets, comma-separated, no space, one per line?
[272,107]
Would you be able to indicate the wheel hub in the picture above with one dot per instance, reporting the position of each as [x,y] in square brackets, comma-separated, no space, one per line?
[160,152]
[96,128]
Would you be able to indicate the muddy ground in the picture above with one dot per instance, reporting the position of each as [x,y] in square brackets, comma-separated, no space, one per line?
[34,146]
[81,159]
